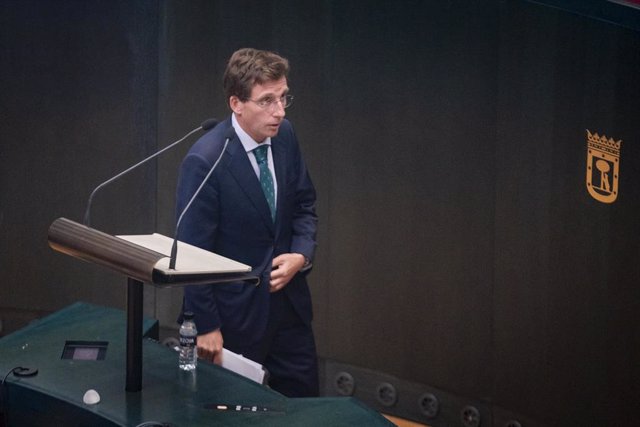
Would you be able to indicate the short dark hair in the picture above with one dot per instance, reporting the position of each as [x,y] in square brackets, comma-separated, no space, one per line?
[248,67]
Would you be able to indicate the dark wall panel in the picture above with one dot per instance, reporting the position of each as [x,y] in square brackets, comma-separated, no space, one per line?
[566,265]
[411,207]
[78,84]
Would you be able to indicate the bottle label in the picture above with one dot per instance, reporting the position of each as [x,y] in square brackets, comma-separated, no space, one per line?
[186,341]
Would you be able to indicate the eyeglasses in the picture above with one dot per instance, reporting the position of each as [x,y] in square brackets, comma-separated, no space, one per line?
[270,102]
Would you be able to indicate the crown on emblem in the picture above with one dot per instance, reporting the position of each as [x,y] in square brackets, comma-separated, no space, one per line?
[602,142]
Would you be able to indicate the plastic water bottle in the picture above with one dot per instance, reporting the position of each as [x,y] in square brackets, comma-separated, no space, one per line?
[188,357]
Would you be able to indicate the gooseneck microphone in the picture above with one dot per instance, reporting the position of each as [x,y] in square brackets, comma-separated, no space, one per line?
[206,125]
[174,249]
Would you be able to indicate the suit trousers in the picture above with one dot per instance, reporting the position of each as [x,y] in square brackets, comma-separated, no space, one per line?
[287,350]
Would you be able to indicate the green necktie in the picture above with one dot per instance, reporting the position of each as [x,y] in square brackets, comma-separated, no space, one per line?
[266,180]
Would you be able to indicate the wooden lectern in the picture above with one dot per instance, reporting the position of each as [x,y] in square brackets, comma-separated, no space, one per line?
[143,259]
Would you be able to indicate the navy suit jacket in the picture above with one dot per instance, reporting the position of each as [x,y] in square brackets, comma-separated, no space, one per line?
[231,217]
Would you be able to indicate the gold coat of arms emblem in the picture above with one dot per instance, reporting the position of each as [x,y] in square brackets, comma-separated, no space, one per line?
[603,167]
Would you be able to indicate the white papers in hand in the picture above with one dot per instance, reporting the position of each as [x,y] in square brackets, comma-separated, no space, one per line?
[242,366]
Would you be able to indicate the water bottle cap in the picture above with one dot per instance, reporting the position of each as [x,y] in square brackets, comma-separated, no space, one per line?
[188,315]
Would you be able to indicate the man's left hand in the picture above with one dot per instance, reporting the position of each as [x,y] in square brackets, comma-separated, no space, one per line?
[284,267]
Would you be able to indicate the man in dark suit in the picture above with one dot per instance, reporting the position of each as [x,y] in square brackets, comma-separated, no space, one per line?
[258,207]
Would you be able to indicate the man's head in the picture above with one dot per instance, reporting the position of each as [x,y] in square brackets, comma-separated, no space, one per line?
[248,67]
[255,84]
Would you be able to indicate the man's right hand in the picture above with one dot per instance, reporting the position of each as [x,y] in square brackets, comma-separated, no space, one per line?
[210,346]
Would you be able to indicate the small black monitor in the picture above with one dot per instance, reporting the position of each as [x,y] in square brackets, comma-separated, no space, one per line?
[85,350]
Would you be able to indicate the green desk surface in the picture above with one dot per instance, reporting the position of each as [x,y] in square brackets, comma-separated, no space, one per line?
[168,395]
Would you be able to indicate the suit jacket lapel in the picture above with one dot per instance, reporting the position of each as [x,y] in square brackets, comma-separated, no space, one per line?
[245,176]
[280,166]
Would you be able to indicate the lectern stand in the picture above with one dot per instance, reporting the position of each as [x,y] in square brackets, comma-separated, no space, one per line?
[143,259]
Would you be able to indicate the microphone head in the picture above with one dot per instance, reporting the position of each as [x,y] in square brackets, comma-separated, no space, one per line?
[230,133]
[209,123]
